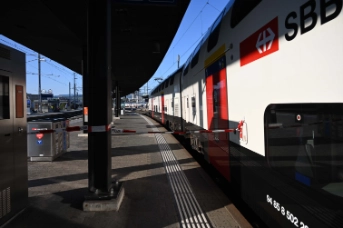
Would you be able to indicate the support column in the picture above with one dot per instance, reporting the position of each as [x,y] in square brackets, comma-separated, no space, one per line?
[99,106]
[85,86]
[117,111]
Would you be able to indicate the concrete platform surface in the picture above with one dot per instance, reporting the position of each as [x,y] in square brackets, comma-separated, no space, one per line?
[164,185]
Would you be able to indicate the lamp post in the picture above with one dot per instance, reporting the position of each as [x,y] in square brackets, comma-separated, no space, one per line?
[159,80]
[39,86]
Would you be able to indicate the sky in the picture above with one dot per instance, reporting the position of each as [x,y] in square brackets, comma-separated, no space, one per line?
[197,20]
[54,76]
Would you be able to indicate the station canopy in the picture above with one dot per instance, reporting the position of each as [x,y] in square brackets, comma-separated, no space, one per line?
[142,31]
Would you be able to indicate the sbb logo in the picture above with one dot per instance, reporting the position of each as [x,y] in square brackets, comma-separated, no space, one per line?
[261,43]
[264,40]
[329,10]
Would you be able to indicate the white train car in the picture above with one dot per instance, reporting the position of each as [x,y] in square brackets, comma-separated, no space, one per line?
[165,103]
[272,70]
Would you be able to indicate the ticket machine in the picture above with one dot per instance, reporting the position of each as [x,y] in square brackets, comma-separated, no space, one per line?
[13,134]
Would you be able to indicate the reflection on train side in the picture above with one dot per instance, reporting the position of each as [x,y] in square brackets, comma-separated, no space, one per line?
[307,144]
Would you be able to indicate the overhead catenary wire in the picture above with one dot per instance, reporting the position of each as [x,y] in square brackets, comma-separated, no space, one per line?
[61,69]
[182,37]
[191,47]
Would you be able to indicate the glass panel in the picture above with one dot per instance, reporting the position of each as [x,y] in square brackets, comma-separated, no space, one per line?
[172,80]
[4,98]
[213,39]
[185,71]
[305,143]
[195,58]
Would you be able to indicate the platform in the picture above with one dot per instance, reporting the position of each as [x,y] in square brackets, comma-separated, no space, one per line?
[164,185]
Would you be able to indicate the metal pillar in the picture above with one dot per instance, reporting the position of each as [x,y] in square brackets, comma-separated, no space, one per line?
[85,86]
[69,102]
[100,105]
[117,111]
[39,87]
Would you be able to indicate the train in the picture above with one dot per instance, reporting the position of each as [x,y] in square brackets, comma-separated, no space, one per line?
[261,99]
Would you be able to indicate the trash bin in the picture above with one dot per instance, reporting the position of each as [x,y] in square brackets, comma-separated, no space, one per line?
[43,146]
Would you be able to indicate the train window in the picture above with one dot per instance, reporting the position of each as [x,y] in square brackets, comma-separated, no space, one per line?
[195,59]
[193,102]
[187,103]
[166,83]
[185,71]
[4,98]
[305,143]
[172,80]
[240,9]
[213,39]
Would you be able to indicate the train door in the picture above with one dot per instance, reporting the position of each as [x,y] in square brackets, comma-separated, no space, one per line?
[193,111]
[186,110]
[176,113]
[152,107]
[217,115]
[167,107]
[158,110]
[162,107]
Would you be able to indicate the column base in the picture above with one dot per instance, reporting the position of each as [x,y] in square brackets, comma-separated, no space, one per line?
[105,201]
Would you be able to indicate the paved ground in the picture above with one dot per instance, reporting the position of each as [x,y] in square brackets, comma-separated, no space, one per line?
[57,189]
